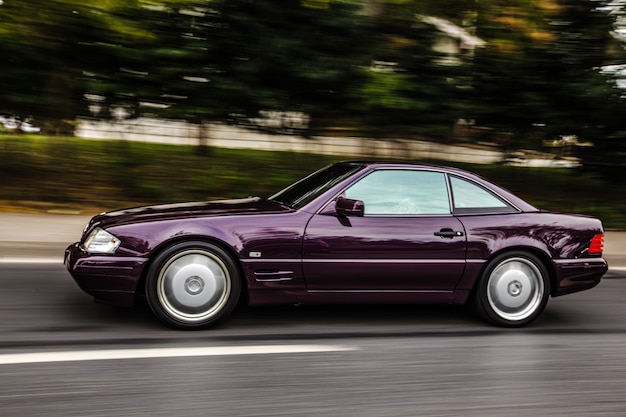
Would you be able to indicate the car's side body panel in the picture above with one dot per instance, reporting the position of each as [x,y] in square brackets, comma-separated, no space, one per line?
[265,238]
[560,239]
[382,253]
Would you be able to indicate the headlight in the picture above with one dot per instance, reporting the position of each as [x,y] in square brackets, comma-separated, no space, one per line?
[86,226]
[101,241]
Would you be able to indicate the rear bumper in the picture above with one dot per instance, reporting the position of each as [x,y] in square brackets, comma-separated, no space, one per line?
[575,275]
[110,279]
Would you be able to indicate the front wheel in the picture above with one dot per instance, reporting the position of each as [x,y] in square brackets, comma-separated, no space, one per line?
[192,285]
[513,290]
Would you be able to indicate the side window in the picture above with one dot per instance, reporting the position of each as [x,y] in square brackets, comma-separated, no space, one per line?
[469,197]
[402,192]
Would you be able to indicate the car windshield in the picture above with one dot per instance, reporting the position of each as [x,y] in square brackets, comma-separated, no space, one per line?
[307,189]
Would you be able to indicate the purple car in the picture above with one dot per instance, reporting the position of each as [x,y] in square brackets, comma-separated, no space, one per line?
[353,232]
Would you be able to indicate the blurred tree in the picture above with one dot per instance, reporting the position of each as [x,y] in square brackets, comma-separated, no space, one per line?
[298,57]
[156,74]
[540,71]
[415,79]
[31,75]
[230,60]
[46,53]
[378,64]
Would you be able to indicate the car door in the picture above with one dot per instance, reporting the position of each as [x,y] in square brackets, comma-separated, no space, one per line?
[406,240]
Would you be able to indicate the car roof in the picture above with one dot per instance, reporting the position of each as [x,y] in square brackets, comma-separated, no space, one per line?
[412,165]
[399,163]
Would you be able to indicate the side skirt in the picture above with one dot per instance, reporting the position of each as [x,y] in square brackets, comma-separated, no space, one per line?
[275,297]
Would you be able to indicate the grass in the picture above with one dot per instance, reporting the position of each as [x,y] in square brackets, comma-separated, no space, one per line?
[92,175]
[41,173]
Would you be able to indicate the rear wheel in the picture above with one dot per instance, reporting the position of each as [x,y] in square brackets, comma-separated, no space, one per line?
[192,285]
[513,290]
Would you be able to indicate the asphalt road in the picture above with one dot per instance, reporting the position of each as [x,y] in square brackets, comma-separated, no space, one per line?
[63,355]
[86,359]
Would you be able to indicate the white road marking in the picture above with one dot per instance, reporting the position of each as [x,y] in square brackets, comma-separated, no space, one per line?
[116,354]
[18,260]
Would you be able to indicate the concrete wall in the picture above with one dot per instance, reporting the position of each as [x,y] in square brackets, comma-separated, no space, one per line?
[225,136]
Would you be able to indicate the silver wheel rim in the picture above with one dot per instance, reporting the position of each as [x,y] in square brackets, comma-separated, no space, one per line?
[515,289]
[193,286]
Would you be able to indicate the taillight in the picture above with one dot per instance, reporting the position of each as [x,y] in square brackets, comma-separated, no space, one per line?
[597,245]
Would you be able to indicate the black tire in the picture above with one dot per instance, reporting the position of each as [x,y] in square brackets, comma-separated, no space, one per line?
[513,290]
[193,285]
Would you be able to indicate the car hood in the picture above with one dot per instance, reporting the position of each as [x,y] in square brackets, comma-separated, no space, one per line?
[250,205]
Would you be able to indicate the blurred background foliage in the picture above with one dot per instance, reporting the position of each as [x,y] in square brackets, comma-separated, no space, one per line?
[519,72]
[376,65]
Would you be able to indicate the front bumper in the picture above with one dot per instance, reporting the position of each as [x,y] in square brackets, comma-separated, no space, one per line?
[110,279]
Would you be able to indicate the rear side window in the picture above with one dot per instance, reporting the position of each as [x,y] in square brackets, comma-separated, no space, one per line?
[470,198]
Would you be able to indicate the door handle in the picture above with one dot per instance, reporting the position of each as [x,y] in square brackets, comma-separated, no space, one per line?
[449,233]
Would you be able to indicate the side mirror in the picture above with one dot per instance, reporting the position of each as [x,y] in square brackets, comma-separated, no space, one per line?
[347,207]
